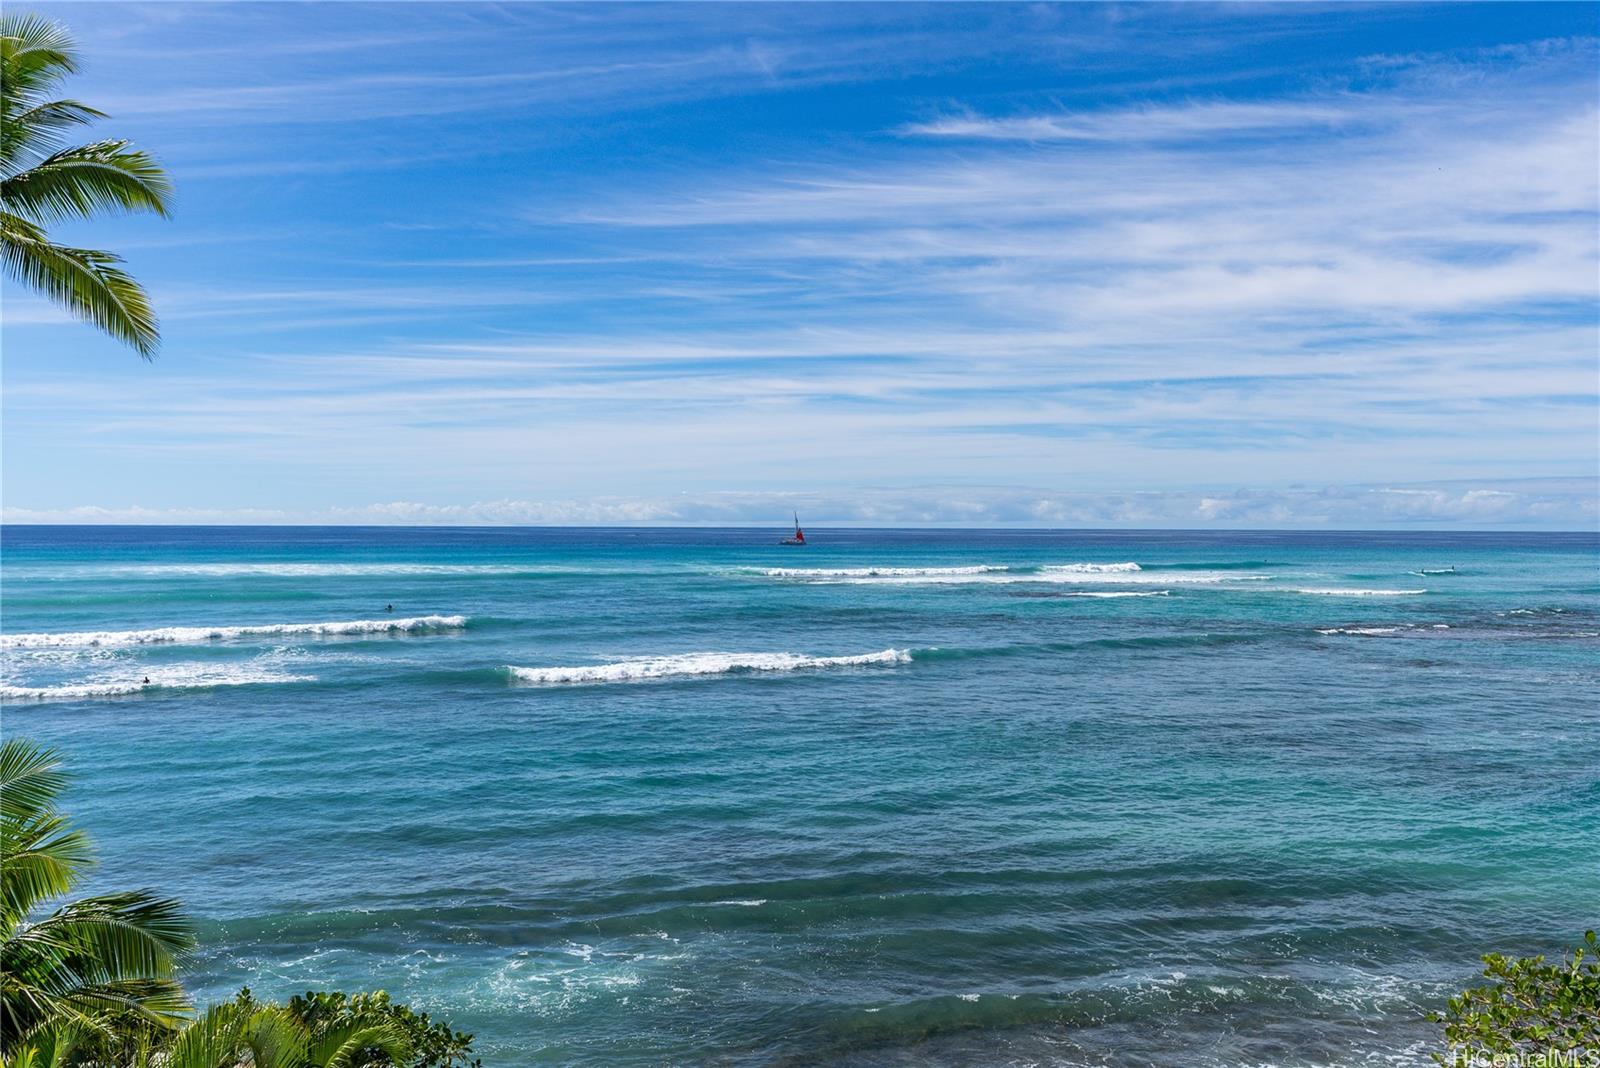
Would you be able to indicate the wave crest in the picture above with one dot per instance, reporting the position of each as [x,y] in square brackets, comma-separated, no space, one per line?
[194,635]
[168,677]
[880,572]
[1090,569]
[687,664]
[1361,593]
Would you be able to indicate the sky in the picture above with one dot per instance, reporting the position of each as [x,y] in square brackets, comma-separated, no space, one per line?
[1310,266]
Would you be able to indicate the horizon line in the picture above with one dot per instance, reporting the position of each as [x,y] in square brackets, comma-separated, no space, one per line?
[817,527]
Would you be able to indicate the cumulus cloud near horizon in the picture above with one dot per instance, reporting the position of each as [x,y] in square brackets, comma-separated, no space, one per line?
[1530,504]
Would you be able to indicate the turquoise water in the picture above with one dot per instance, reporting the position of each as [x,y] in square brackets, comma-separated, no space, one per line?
[689,797]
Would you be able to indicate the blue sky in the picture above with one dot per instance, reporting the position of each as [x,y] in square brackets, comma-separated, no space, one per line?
[1083,265]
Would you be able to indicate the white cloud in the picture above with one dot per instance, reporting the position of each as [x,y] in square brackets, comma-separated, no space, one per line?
[1531,504]
[1151,123]
[1391,277]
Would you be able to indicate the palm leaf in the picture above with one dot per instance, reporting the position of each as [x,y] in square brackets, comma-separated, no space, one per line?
[39,859]
[277,1039]
[34,51]
[213,1041]
[30,779]
[82,181]
[227,1032]
[53,1046]
[339,1046]
[115,936]
[85,281]
[31,133]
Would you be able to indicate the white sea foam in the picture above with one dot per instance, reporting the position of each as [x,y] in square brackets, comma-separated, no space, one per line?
[1360,630]
[1091,569]
[195,635]
[1361,593]
[281,570]
[1118,593]
[880,572]
[684,664]
[1114,574]
[164,677]
[1069,578]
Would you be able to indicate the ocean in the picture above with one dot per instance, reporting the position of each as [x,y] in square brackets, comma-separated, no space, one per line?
[690,797]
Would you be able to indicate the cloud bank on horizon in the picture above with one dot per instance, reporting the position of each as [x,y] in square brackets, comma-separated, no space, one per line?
[1048,265]
[1529,503]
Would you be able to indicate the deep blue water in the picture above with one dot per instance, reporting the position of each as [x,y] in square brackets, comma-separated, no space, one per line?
[1266,805]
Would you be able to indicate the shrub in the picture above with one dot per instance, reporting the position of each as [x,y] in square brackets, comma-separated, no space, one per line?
[1531,1008]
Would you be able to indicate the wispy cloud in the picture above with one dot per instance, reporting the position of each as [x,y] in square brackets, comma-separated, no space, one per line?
[592,254]
[1183,122]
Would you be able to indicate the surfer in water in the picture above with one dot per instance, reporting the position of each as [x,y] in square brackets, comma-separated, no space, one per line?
[388,608]
[146,681]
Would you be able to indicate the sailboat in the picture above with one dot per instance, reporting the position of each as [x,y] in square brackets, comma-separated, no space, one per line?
[799,535]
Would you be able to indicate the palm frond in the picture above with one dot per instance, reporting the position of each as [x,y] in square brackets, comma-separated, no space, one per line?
[116,936]
[26,1012]
[99,1008]
[39,859]
[30,779]
[213,1041]
[86,282]
[82,181]
[222,1037]
[160,1001]
[34,54]
[340,1045]
[277,1039]
[36,42]
[31,134]
[53,1046]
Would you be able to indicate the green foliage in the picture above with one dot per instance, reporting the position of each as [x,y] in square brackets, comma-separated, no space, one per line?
[76,975]
[244,1031]
[433,1045]
[1531,1007]
[92,984]
[43,180]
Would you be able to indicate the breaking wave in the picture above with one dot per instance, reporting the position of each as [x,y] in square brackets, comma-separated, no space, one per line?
[168,677]
[686,664]
[1090,569]
[194,635]
[1407,629]
[881,572]
[307,569]
[1116,593]
[1360,593]
[1127,574]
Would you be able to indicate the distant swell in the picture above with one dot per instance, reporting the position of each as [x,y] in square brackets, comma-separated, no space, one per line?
[194,635]
[687,664]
